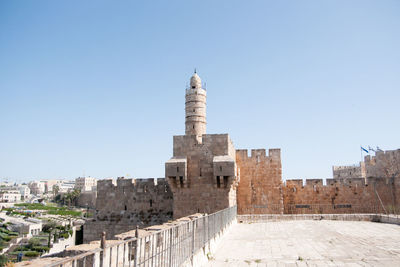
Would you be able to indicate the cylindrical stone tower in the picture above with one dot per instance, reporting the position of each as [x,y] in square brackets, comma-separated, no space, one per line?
[195,107]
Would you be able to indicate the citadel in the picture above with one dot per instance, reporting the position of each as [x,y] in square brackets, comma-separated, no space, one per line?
[206,173]
[209,187]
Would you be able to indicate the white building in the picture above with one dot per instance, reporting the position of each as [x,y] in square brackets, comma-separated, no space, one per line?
[49,185]
[66,186]
[28,227]
[10,196]
[24,191]
[37,187]
[86,184]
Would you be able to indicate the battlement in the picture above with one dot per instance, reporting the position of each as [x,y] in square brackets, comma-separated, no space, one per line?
[383,164]
[335,168]
[328,182]
[381,155]
[104,186]
[258,154]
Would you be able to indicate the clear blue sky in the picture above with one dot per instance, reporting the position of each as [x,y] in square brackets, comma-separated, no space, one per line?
[98,86]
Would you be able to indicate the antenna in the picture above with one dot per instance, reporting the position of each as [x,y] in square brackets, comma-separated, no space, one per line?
[195,71]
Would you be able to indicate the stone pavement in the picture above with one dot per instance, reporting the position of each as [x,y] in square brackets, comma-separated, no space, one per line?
[309,243]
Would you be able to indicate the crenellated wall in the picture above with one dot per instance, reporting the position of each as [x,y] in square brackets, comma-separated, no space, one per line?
[351,171]
[260,186]
[125,203]
[383,164]
[352,195]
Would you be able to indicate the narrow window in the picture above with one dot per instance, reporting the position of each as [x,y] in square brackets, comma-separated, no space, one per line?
[151,203]
[220,168]
[200,171]
[218,182]
[181,180]
[126,207]
[193,126]
[226,181]
[145,188]
[177,169]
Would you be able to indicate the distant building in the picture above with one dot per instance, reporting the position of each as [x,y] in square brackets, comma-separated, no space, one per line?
[28,227]
[86,184]
[24,191]
[66,186]
[10,196]
[49,185]
[37,187]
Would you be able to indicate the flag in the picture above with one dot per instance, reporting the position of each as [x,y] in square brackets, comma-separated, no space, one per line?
[364,149]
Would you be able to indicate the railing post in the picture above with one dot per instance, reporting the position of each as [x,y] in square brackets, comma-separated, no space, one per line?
[102,246]
[170,247]
[96,259]
[193,236]
[135,264]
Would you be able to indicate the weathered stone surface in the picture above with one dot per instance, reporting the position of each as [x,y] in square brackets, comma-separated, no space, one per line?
[202,175]
[260,186]
[122,205]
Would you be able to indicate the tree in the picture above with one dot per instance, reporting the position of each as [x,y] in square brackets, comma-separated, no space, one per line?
[56,189]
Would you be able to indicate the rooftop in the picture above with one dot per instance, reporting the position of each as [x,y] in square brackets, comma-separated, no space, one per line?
[310,243]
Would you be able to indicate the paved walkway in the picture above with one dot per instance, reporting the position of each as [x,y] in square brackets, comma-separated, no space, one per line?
[309,243]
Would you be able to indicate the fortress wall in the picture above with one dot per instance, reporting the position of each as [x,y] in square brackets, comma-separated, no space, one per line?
[383,164]
[125,203]
[351,195]
[87,200]
[352,171]
[259,189]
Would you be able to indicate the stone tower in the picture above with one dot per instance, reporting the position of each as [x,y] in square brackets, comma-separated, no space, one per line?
[202,172]
[195,107]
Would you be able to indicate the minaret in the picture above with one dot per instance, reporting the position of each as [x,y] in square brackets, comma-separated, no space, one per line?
[195,107]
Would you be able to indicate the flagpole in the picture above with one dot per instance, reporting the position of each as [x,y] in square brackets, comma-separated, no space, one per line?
[361,153]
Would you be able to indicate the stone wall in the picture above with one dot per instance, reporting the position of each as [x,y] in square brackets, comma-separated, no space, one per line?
[383,164]
[351,171]
[123,204]
[202,174]
[353,195]
[87,200]
[260,186]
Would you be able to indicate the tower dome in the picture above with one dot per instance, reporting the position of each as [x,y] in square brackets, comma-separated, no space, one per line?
[195,81]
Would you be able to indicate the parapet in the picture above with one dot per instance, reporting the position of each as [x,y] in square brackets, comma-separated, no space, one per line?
[314,182]
[294,182]
[258,154]
[329,182]
[110,185]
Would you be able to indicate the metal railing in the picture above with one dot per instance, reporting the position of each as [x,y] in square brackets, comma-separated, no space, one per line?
[170,247]
[309,208]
